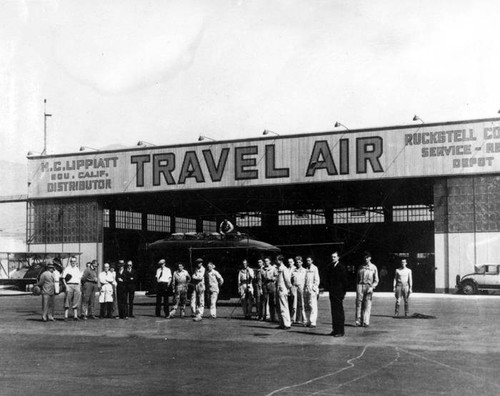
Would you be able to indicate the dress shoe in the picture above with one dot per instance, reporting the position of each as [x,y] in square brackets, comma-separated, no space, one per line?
[338,335]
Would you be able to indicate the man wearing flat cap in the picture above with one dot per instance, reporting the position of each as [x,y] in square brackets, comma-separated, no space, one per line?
[198,293]
[163,282]
[46,284]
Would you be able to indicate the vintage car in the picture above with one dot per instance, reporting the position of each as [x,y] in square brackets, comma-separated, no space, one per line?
[486,277]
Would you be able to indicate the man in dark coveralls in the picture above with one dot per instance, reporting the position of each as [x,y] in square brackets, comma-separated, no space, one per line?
[336,284]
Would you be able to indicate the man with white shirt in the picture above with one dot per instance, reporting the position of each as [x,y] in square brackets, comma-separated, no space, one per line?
[72,278]
[403,283]
[163,282]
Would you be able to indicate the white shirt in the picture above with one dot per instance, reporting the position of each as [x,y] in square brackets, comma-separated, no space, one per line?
[76,275]
[163,274]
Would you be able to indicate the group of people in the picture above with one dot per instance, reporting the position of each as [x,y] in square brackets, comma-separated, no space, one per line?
[284,292]
[289,291]
[203,281]
[114,288]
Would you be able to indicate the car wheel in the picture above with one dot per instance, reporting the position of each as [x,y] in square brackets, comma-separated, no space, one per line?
[469,288]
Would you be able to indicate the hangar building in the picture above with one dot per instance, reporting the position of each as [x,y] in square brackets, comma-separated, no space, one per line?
[427,192]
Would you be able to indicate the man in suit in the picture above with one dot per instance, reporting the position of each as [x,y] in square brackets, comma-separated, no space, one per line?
[336,284]
[129,285]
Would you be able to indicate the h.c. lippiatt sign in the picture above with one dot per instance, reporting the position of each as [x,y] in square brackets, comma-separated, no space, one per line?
[459,148]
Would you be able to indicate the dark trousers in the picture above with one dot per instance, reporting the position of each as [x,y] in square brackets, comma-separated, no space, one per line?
[122,302]
[106,310]
[162,296]
[338,316]
[129,300]
[269,301]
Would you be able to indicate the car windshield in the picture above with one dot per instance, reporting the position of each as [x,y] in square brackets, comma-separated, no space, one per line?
[479,268]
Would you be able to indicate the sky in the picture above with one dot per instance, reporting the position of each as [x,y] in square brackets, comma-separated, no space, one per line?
[165,72]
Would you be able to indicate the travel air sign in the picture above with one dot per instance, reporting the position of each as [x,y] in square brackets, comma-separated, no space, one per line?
[437,150]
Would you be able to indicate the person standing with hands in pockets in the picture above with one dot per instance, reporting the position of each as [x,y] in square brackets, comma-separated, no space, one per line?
[367,281]
[245,287]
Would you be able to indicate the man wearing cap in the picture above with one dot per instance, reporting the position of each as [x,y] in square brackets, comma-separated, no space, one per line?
[214,282]
[72,278]
[245,288]
[180,281]
[47,286]
[366,282]
[163,281]
[198,293]
[90,289]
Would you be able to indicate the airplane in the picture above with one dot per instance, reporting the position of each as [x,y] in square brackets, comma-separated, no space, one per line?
[19,271]
[225,251]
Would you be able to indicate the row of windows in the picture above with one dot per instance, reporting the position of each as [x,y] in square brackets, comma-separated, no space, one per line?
[68,222]
[406,213]
[79,221]
[156,223]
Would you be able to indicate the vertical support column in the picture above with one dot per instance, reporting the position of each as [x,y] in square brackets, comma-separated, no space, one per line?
[199,224]
[112,219]
[441,235]
[172,224]
[270,224]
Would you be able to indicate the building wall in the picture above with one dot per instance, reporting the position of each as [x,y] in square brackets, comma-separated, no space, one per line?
[467,226]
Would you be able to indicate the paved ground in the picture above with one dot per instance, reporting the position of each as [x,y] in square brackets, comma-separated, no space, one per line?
[457,352]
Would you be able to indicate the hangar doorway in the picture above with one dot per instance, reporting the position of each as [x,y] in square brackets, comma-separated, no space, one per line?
[390,218]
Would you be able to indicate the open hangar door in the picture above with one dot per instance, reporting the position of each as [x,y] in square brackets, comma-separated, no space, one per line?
[391,218]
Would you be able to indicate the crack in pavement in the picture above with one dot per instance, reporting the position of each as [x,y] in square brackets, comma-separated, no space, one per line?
[349,362]
[449,367]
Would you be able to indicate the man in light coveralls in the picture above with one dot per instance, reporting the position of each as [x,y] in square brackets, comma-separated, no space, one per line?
[283,286]
[402,285]
[366,282]
[311,292]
